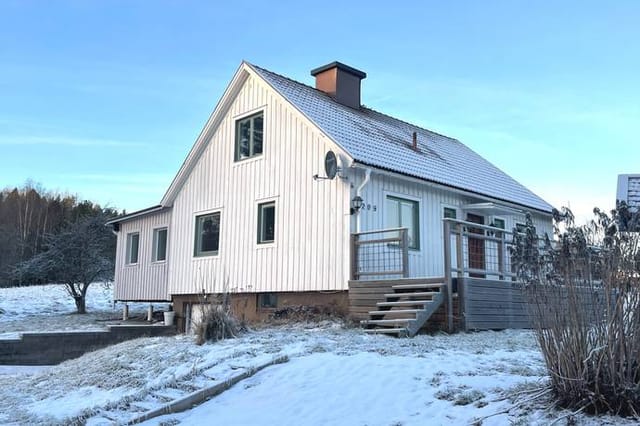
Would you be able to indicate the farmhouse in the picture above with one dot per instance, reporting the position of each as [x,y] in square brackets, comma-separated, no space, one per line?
[299,195]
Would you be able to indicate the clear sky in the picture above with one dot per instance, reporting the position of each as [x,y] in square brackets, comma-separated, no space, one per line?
[105,99]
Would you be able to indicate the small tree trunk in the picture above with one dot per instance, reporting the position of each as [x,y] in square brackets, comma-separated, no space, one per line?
[80,304]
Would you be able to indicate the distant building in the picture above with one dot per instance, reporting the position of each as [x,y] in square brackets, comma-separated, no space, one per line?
[629,190]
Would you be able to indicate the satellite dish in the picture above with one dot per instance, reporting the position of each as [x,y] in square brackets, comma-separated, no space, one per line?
[331,168]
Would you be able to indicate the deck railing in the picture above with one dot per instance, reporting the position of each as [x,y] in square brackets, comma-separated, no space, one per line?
[379,254]
[478,251]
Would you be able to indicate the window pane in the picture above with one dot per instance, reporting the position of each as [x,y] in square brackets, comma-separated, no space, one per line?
[393,213]
[133,248]
[408,220]
[449,213]
[160,245]
[404,214]
[257,135]
[207,234]
[266,222]
[244,139]
[498,223]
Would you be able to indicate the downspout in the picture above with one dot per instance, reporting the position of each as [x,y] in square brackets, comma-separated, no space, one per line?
[364,183]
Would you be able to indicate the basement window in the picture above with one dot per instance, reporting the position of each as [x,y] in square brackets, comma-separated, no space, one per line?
[159,245]
[207,238]
[133,241]
[267,300]
[249,132]
[266,222]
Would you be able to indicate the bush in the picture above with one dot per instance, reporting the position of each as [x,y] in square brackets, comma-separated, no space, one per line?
[217,323]
[584,298]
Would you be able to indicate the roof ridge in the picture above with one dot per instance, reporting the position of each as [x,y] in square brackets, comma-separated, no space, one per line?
[365,107]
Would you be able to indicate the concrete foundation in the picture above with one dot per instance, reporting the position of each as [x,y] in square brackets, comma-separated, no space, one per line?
[247,308]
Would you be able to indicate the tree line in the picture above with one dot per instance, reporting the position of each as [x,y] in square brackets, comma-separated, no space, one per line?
[29,217]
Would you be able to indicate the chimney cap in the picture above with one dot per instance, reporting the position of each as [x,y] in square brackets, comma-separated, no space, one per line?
[340,66]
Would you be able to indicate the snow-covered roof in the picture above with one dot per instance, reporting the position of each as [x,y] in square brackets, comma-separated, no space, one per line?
[378,140]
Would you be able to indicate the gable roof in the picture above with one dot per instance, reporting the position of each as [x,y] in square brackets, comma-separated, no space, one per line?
[378,140]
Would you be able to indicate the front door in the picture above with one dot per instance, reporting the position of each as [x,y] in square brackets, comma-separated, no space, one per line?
[476,246]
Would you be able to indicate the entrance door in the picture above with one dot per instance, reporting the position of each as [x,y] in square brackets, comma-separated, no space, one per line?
[476,246]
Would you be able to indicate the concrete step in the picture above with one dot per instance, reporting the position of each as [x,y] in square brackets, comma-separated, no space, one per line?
[405,303]
[415,286]
[396,312]
[412,294]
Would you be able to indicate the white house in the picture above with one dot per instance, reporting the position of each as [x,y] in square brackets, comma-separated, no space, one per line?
[252,212]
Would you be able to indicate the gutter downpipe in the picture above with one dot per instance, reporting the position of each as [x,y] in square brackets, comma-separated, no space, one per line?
[364,183]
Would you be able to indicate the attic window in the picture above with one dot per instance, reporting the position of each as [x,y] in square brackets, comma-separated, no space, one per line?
[249,132]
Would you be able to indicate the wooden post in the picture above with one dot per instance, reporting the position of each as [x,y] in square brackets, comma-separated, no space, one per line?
[459,251]
[502,256]
[447,273]
[354,257]
[405,253]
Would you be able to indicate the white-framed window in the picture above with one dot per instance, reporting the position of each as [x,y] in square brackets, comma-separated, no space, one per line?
[159,252]
[207,235]
[403,213]
[449,213]
[249,136]
[133,243]
[266,222]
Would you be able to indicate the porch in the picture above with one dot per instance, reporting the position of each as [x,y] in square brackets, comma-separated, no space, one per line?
[477,290]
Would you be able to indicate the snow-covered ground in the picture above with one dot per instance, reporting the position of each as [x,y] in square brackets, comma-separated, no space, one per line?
[50,308]
[334,376]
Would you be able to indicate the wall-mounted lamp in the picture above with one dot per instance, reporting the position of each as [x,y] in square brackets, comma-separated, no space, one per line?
[356,204]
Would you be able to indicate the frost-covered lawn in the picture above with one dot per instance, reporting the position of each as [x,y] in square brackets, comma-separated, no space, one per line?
[50,308]
[334,376]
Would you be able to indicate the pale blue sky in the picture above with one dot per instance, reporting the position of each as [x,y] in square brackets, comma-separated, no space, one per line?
[106,98]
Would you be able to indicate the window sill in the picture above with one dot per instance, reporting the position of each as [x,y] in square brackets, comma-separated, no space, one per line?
[266,245]
[237,163]
[158,262]
[130,264]
[205,256]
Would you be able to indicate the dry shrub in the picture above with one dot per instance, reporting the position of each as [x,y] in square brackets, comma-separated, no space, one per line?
[217,323]
[584,298]
[307,313]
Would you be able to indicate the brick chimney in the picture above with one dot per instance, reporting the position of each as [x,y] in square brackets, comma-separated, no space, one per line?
[341,82]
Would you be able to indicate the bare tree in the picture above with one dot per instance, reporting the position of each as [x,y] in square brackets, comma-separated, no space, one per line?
[76,257]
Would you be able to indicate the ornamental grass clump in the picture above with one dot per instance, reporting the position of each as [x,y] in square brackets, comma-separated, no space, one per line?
[583,293]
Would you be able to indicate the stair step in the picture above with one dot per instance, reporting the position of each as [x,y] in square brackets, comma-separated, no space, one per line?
[386,330]
[415,286]
[404,303]
[387,321]
[414,294]
[396,311]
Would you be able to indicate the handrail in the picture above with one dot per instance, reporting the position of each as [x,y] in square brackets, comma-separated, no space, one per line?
[378,231]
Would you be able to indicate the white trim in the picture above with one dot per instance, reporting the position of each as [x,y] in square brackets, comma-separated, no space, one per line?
[421,222]
[257,204]
[154,248]
[265,127]
[195,216]
[127,248]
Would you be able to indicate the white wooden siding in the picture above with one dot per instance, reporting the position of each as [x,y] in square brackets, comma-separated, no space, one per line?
[146,280]
[311,250]
[429,260]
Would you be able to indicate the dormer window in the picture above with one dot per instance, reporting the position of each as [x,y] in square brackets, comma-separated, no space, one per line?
[249,131]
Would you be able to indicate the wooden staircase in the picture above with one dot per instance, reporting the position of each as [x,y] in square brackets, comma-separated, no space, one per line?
[406,309]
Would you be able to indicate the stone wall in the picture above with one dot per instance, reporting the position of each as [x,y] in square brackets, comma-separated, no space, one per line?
[55,347]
